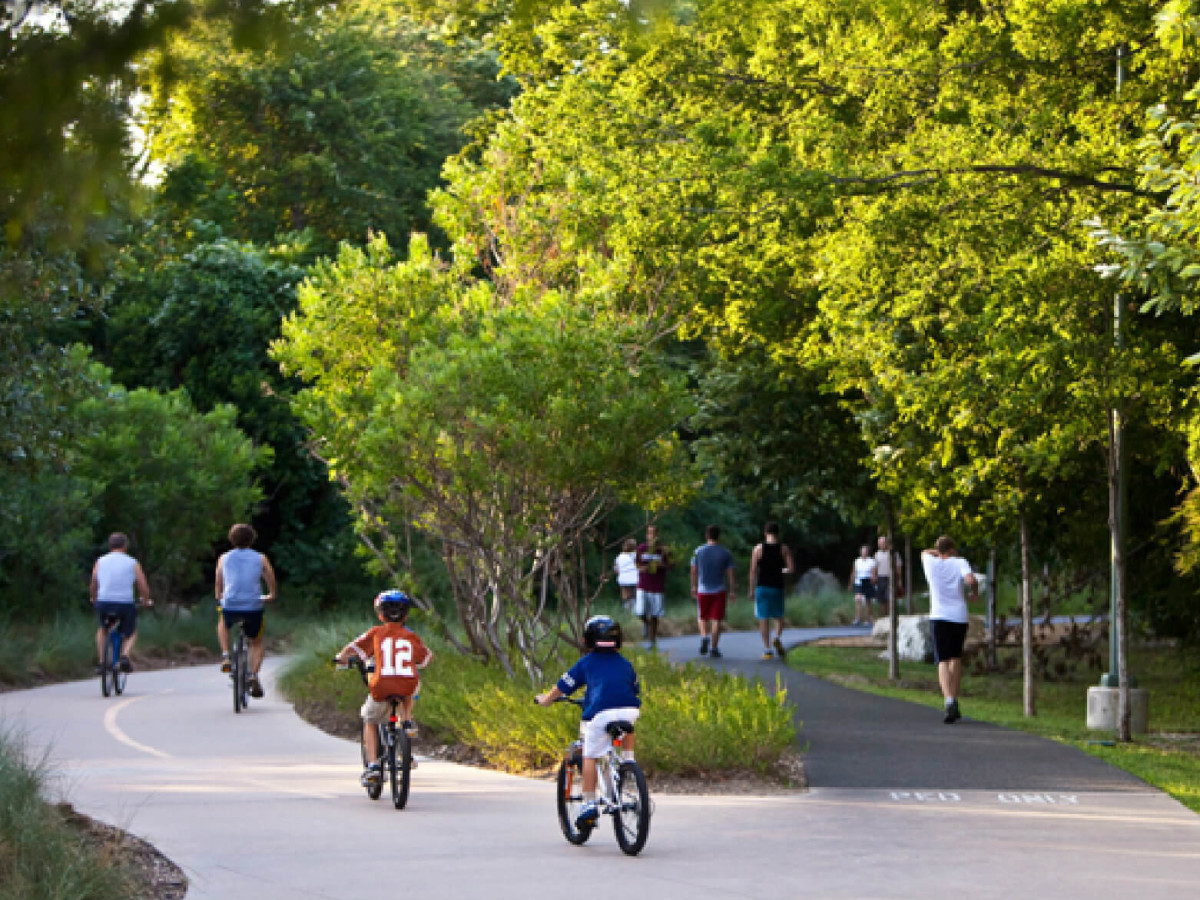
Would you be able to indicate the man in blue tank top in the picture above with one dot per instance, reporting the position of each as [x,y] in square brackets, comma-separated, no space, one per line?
[241,573]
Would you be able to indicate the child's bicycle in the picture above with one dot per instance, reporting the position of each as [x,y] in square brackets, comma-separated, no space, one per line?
[395,750]
[621,792]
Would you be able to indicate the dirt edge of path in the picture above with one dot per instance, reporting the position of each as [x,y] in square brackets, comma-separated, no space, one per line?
[158,878]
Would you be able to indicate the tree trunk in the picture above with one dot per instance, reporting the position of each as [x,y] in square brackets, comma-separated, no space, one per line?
[1026,617]
[991,610]
[893,613]
[909,583]
[1116,528]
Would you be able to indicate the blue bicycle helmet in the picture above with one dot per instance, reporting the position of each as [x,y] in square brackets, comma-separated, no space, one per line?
[393,605]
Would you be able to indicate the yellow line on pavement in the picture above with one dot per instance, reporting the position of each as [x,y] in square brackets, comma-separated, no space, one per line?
[111,726]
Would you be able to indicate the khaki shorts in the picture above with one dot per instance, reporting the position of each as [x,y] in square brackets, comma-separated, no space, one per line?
[376,712]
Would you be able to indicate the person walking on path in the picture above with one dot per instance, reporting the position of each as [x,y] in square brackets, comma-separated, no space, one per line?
[887,560]
[653,560]
[115,576]
[862,582]
[712,585]
[626,568]
[947,574]
[769,563]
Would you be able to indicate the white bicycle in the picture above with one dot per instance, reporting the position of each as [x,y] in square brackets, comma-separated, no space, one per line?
[622,792]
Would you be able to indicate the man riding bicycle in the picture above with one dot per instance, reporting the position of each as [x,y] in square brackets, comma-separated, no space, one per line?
[114,578]
[241,573]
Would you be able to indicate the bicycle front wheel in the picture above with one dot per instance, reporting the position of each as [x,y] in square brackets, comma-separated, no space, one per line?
[374,791]
[570,802]
[401,767]
[631,821]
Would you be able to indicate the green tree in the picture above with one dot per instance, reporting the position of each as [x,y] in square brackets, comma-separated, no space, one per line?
[173,479]
[339,131]
[503,427]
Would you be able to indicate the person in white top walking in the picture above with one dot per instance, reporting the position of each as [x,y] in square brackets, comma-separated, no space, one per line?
[862,582]
[948,574]
[114,577]
[886,560]
[626,568]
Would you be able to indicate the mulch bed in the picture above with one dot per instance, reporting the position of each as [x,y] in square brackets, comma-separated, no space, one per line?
[158,878]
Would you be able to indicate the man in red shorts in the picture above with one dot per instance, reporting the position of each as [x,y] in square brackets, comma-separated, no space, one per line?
[712,585]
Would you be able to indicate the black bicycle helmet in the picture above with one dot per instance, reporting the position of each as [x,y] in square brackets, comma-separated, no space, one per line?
[393,605]
[602,632]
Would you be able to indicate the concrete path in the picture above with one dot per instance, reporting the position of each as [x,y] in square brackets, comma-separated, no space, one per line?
[262,807]
[858,740]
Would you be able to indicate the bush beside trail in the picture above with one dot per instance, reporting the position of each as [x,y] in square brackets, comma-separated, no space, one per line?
[695,721]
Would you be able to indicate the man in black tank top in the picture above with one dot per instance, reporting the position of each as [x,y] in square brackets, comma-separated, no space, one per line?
[769,563]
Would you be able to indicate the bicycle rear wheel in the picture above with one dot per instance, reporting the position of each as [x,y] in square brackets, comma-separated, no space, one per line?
[570,801]
[374,791]
[118,674]
[237,672]
[106,665]
[400,753]
[631,821]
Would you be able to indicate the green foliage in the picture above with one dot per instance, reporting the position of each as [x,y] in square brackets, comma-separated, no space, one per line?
[694,719]
[503,426]
[339,131]
[41,856]
[154,456]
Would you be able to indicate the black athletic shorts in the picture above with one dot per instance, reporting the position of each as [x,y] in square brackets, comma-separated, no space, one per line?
[125,612]
[948,639]
[252,622]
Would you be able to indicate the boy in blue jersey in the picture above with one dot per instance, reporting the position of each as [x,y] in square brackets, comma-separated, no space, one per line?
[613,694]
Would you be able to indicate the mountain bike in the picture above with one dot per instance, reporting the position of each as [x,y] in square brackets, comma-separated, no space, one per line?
[239,662]
[395,749]
[112,677]
[621,792]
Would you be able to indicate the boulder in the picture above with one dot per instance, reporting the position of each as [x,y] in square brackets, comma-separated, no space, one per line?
[915,642]
[817,581]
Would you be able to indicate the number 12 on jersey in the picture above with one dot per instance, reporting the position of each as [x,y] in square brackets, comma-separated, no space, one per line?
[397,656]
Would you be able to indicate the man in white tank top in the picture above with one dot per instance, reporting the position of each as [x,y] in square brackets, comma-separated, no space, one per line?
[114,578]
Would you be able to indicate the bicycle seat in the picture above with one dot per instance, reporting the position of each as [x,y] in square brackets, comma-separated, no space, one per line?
[619,729]
[398,698]
[111,619]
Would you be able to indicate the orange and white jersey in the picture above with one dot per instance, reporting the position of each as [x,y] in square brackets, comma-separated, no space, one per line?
[398,654]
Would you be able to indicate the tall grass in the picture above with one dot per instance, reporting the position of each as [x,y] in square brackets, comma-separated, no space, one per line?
[694,719]
[41,856]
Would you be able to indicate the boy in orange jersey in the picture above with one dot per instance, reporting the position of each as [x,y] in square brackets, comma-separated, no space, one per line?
[398,654]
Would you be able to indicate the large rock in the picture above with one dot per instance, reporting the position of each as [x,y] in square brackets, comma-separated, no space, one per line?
[817,581]
[914,641]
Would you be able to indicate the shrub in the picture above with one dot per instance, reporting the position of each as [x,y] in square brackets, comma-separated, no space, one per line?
[694,719]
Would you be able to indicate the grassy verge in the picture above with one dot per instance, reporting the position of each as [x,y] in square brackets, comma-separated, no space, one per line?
[41,856]
[694,721]
[64,648]
[1167,758]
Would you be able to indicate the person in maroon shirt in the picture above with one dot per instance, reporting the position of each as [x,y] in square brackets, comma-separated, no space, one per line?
[653,560]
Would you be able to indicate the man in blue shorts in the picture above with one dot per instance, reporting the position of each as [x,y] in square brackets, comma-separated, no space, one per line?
[115,576]
[769,563]
[241,574]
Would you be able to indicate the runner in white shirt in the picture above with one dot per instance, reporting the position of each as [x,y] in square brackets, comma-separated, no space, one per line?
[948,574]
